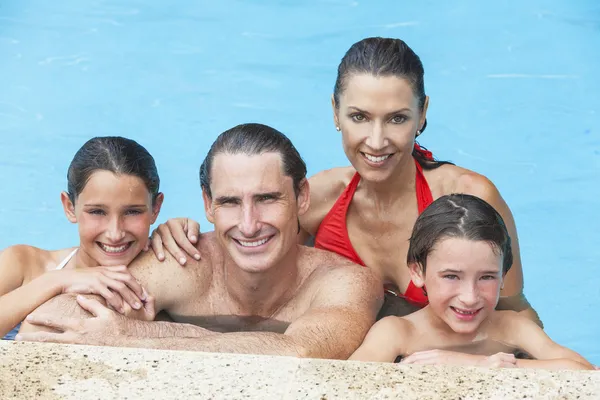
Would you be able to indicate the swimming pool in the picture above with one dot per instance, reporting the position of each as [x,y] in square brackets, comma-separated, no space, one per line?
[514,95]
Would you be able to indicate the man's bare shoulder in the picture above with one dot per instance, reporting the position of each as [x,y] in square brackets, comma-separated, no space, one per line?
[337,273]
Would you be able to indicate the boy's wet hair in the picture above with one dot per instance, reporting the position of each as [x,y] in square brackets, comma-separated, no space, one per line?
[254,139]
[116,154]
[459,216]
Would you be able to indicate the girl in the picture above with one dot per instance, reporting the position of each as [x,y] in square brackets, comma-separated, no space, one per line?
[113,195]
[459,254]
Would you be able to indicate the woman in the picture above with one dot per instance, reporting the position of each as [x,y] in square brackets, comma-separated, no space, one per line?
[113,195]
[366,212]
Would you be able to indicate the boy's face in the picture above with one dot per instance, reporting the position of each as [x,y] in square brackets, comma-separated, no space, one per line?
[463,279]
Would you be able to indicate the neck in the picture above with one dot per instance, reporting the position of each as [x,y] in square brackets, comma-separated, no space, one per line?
[83,260]
[263,293]
[400,184]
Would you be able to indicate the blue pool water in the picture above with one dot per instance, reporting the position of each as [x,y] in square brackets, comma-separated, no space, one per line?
[514,95]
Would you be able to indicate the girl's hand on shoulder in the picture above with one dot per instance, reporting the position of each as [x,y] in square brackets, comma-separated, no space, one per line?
[178,236]
[115,284]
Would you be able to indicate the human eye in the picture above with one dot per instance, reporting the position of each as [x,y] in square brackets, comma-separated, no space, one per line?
[399,119]
[450,276]
[134,211]
[265,198]
[358,117]
[488,277]
[96,211]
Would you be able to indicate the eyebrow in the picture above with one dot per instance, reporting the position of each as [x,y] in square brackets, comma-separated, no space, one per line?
[224,199]
[127,206]
[388,114]
[450,270]
[275,195]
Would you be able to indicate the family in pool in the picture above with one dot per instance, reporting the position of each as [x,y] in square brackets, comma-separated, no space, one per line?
[414,260]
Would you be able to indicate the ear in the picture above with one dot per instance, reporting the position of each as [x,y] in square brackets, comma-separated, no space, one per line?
[303,199]
[68,207]
[336,119]
[416,274]
[424,113]
[157,205]
[208,207]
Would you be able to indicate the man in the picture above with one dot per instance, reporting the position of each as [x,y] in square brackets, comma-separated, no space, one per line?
[255,290]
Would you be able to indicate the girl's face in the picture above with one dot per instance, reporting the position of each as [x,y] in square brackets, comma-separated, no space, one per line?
[379,118]
[114,214]
[463,279]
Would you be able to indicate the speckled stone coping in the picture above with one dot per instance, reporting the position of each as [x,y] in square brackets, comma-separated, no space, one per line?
[50,371]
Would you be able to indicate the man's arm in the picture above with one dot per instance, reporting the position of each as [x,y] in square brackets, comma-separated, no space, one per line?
[342,310]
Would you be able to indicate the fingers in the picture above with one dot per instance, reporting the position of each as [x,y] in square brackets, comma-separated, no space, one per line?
[50,321]
[94,307]
[193,230]
[156,244]
[127,287]
[177,242]
[43,337]
[150,308]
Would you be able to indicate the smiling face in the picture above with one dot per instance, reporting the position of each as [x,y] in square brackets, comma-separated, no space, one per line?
[378,118]
[114,214]
[463,280]
[254,209]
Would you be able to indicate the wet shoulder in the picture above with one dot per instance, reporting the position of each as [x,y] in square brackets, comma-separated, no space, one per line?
[448,179]
[30,260]
[321,267]
[325,188]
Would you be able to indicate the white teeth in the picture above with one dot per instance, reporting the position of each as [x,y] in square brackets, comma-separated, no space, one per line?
[376,159]
[253,244]
[112,249]
[463,312]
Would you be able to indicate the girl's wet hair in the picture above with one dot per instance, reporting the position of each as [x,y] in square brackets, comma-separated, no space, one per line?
[116,154]
[459,216]
[379,56]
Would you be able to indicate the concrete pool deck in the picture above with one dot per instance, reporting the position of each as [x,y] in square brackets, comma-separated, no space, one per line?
[52,371]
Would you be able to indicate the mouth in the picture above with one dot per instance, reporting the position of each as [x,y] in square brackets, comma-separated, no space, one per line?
[114,250]
[253,244]
[376,160]
[465,315]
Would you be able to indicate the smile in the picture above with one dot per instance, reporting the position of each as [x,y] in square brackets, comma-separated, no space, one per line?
[465,315]
[114,249]
[256,243]
[376,159]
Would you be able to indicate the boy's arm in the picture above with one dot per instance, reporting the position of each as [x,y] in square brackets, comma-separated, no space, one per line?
[385,341]
[529,337]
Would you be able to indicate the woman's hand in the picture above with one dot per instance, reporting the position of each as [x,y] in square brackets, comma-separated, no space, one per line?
[115,284]
[178,236]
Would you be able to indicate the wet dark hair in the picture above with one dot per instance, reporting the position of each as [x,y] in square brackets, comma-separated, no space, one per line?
[386,57]
[116,154]
[459,216]
[254,139]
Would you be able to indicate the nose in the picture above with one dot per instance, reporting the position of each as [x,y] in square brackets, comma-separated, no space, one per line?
[469,294]
[249,225]
[115,232]
[377,140]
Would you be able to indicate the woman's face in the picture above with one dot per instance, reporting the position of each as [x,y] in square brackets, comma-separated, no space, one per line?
[379,118]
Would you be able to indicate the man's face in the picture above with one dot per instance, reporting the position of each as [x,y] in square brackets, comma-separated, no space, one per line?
[254,209]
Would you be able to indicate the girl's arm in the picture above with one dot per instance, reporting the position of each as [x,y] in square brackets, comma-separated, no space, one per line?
[18,300]
[384,342]
[529,337]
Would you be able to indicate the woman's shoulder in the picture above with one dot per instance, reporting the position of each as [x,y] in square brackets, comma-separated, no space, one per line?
[325,188]
[450,179]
